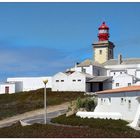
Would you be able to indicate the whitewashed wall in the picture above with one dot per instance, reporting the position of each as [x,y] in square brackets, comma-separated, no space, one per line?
[31,83]
[93,70]
[87,69]
[10,85]
[131,71]
[72,82]
[122,80]
[18,86]
[79,69]
[77,82]
[98,71]
[138,73]
[60,82]
[113,103]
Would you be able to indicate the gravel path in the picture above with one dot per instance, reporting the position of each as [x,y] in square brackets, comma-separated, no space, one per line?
[10,120]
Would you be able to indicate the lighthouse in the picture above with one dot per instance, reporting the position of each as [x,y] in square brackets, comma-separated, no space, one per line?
[103,34]
[103,49]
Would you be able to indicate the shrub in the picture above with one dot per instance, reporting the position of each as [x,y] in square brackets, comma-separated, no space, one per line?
[87,103]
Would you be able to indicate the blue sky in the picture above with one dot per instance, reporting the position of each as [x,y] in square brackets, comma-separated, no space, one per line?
[40,39]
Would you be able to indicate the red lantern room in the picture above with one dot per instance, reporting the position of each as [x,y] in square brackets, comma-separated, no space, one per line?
[103,34]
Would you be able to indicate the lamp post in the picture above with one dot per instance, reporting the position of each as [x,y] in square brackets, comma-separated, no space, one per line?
[45,101]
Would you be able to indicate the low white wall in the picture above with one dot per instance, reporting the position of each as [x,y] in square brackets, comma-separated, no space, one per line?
[100,115]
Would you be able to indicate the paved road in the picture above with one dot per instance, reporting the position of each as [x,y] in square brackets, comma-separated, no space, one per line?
[40,118]
[51,110]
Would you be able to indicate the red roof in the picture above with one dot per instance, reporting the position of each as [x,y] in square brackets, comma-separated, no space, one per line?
[118,90]
[103,26]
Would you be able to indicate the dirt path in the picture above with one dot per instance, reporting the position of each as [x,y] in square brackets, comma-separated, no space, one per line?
[11,120]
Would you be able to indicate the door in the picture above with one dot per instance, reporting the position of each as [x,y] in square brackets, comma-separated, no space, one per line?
[100,86]
[7,89]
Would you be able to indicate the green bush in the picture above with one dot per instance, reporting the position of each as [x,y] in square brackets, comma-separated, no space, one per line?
[87,103]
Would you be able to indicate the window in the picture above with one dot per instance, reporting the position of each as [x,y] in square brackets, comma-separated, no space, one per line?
[114,73]
[122,100]
[98,72]
[129,84]
[100,51]
[129,104]
[74,80]
[84,70]
[79,80]
[117,84]
[120,72]
[57,80]
[109,100]
[101,100]
[62,80]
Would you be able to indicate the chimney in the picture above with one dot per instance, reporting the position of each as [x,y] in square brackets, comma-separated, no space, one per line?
[119,59]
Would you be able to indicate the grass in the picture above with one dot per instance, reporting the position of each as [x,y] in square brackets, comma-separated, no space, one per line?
[97,128]
[41,131]
[100,127]
[12,104]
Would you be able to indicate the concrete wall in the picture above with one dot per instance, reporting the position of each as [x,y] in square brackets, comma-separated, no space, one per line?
[138,73]
[73,82]
[18,86]
[123,80]
[79,69]
[92,70]
[98,71]
[115,73]
[77,82]
[60,82]
[131,71]
[10,85]
[31,83]
[101,58]
[124,103]
[87,69]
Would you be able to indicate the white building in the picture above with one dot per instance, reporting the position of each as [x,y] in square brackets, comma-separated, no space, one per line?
[107,72]
[30,83]
[121,103]
[11,87]
[70,81]
[122,100]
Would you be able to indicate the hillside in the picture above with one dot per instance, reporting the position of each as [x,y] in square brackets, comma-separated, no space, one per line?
[12,104]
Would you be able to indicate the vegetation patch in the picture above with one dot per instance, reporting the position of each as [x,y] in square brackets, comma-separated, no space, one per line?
[88,103]
[12,104]
[82,104]
[98,128]
[41,131]
[106,127]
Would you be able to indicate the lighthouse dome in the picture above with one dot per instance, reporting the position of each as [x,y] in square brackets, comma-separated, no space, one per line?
[103,34]
[103,26]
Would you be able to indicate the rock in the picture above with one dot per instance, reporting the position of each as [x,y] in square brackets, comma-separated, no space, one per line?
[70,113]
